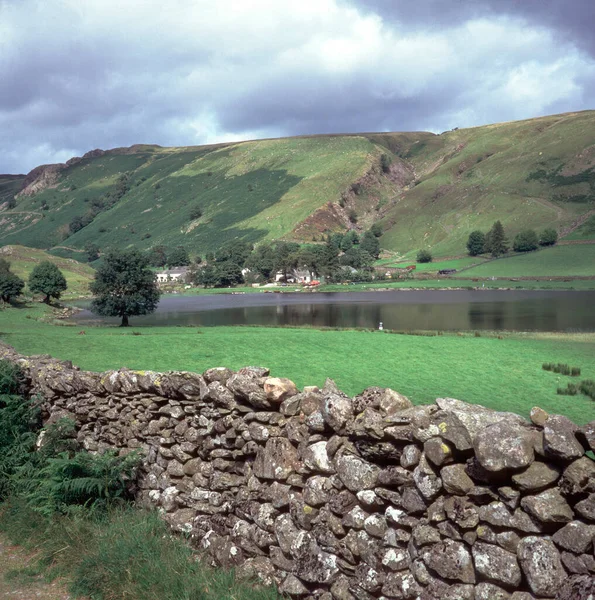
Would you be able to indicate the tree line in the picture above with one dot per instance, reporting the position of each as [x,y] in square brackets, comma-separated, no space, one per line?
[496,243]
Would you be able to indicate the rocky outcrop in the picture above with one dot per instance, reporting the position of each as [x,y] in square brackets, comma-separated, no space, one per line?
[339,498]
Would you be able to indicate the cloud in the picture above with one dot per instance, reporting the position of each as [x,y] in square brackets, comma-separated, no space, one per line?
[105,73]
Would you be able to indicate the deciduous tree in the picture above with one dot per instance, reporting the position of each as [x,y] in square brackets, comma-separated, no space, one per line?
[48,280]
[124,286]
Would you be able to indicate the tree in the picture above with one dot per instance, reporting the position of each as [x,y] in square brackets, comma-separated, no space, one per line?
[158,256]
[349,239]
[370,244]
[376,229]
[195,212]
[424,256]
[237,251]
[476,243]
[548,237]
[47,279]
[357,258]
[262,260]
[206,276]
[385,162]
[92,251]
[11,285]
[124,286]
[228,273]
[178,257]
[498,244]
[525,241]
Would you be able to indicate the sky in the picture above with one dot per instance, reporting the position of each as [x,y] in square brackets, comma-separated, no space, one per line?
[82,74]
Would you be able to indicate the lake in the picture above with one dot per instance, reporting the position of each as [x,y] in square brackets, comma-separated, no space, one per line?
[401,310]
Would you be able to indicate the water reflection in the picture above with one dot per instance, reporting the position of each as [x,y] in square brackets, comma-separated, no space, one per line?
[402,310]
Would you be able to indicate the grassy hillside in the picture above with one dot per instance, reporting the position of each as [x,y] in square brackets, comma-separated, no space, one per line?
[536,173]
[23,260]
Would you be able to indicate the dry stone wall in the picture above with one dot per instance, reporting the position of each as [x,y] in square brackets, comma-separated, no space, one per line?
[334,497]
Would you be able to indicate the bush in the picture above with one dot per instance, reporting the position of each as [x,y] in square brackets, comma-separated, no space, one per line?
[476,243]
[548,237]
[385,162]
[352,216]
[562,369]
[424,256]
[525,241]
[196,212]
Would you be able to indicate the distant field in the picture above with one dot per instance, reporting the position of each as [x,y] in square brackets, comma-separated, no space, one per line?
[23,260]
[437,265]
[556,261]
[505,374]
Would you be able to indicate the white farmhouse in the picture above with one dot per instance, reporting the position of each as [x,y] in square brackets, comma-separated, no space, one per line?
[171,275]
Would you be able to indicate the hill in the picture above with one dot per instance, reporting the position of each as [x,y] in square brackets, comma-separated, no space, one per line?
[23,260]
[436,189]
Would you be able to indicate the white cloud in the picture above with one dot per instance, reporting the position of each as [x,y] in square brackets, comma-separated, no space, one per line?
[107,73]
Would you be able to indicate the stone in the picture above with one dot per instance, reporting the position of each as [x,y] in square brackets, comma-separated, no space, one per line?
[394,476]
[355,518]
[277,460]
[489,591]
[579,477]
[437,451]
[244,384]
[575,536]
[292,586]
[340,589]
[376,525]
[412,501]
[278,389]
[182,520]
[410,456]
[369,423]
[355,473]
[584,563]
[312,564]
[392,402]
[586,435]
[369,578]
[337,411]
[538,416]
[586,508]
[541,565]
[395,559]
[317,490]
[451,560]
[463,421]
[461,511]
[536,477]
[342,503]
[548,507]
[219,374]
[559,438]
[315,458]
[455,480]
[504,445]
[577,587]
[424,535]
[426,479]
[401,586]
[496,564]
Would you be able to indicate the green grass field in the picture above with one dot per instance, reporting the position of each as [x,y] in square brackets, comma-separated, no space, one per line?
[578,260]
[23,260]
[503,373]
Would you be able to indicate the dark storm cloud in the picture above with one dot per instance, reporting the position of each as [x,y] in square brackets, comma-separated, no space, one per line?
[571,19]
[104,73]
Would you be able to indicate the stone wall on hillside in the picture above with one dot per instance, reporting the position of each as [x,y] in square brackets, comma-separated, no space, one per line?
[335,497]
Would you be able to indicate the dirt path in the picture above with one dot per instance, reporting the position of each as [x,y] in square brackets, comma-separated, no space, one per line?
[15,586]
